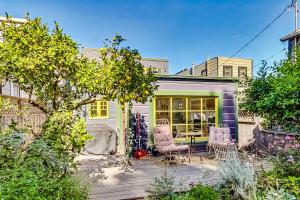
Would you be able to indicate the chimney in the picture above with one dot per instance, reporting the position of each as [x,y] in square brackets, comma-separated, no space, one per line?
[192,69]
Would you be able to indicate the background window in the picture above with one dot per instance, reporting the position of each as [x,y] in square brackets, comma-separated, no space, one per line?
[204,72]
[98,109]
[242,72]
[227,71]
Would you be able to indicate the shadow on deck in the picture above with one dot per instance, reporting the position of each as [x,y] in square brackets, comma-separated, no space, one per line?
[123,184]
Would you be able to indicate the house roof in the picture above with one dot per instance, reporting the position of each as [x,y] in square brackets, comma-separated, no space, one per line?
[17,20]
[156,59]
[291,35]
[195,78]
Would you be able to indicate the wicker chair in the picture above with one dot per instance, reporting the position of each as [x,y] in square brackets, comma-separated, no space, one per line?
[222,144]
[164,143]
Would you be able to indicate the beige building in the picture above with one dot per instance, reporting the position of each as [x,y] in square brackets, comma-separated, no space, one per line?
[8,88]
[158,65]
[221,67]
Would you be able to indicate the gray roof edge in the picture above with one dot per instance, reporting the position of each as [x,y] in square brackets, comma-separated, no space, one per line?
[290,35]
[204,78]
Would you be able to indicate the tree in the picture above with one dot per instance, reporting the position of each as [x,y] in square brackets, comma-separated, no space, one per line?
[59,80]
[274,94]
[48,66]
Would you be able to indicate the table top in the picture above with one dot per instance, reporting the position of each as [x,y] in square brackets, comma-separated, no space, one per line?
[192,134]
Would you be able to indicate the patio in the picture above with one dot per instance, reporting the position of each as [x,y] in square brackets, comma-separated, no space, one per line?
[132,183]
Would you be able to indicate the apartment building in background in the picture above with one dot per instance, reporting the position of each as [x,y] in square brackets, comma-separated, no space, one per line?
[221,67]
[158,65]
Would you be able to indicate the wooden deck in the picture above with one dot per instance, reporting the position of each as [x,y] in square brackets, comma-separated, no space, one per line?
[121,184]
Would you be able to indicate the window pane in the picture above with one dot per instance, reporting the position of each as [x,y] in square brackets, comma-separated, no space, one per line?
[194,118]
[242,72]
[227,71]
[163,115]
[208,103]
[93,109]
[103,113]
[162,103]
[209,117]
[177,129]
[195,104]
[194,127]
[205,129]
[178,103]
[178,117]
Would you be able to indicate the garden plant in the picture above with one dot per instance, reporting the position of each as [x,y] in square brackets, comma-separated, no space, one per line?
[59,81]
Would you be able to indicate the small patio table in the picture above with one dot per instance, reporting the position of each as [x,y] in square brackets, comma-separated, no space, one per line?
[193,136]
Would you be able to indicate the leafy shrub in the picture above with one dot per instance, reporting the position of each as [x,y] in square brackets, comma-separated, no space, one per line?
[239,177]
[66,132]
[274,94]
[23,183]
[287,155]
[279,195]
[32,169]
[204,192]
[163,186]
[199,192]
[286,167]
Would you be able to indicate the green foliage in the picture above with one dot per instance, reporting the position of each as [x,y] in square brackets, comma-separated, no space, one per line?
[279,195]
[239,177]
[203,192]
[124,70]
[32,169]
[48,66]
[286,168]
[66,132]
[163,186]
[23,183]
[274,94]
[199,192]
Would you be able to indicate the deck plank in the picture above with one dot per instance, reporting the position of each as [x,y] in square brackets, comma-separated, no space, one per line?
[132,185]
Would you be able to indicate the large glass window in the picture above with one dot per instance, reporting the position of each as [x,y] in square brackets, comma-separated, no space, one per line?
[187,114]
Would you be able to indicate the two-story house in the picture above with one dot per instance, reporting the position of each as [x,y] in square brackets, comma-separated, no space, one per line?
[221,67]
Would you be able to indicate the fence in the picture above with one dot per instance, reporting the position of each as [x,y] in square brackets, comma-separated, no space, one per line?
[248,126]
[30,117]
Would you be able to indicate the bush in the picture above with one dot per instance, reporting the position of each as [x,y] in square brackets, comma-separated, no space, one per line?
[163,186]
[32,169]
[23,183]
[199,192]
[286,171]
[274,94]
[239,178]
[279,195]
[204,192]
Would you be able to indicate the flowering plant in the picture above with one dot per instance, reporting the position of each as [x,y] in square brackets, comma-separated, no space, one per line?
[286,161]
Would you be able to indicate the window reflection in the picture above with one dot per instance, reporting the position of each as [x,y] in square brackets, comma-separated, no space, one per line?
[187,114]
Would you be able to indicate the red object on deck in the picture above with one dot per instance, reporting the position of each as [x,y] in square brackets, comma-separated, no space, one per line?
[140,153]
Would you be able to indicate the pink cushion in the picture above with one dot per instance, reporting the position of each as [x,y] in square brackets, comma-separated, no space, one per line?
[164,140]
[220,136]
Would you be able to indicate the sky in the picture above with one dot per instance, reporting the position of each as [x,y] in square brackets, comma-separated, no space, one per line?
[181,31]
